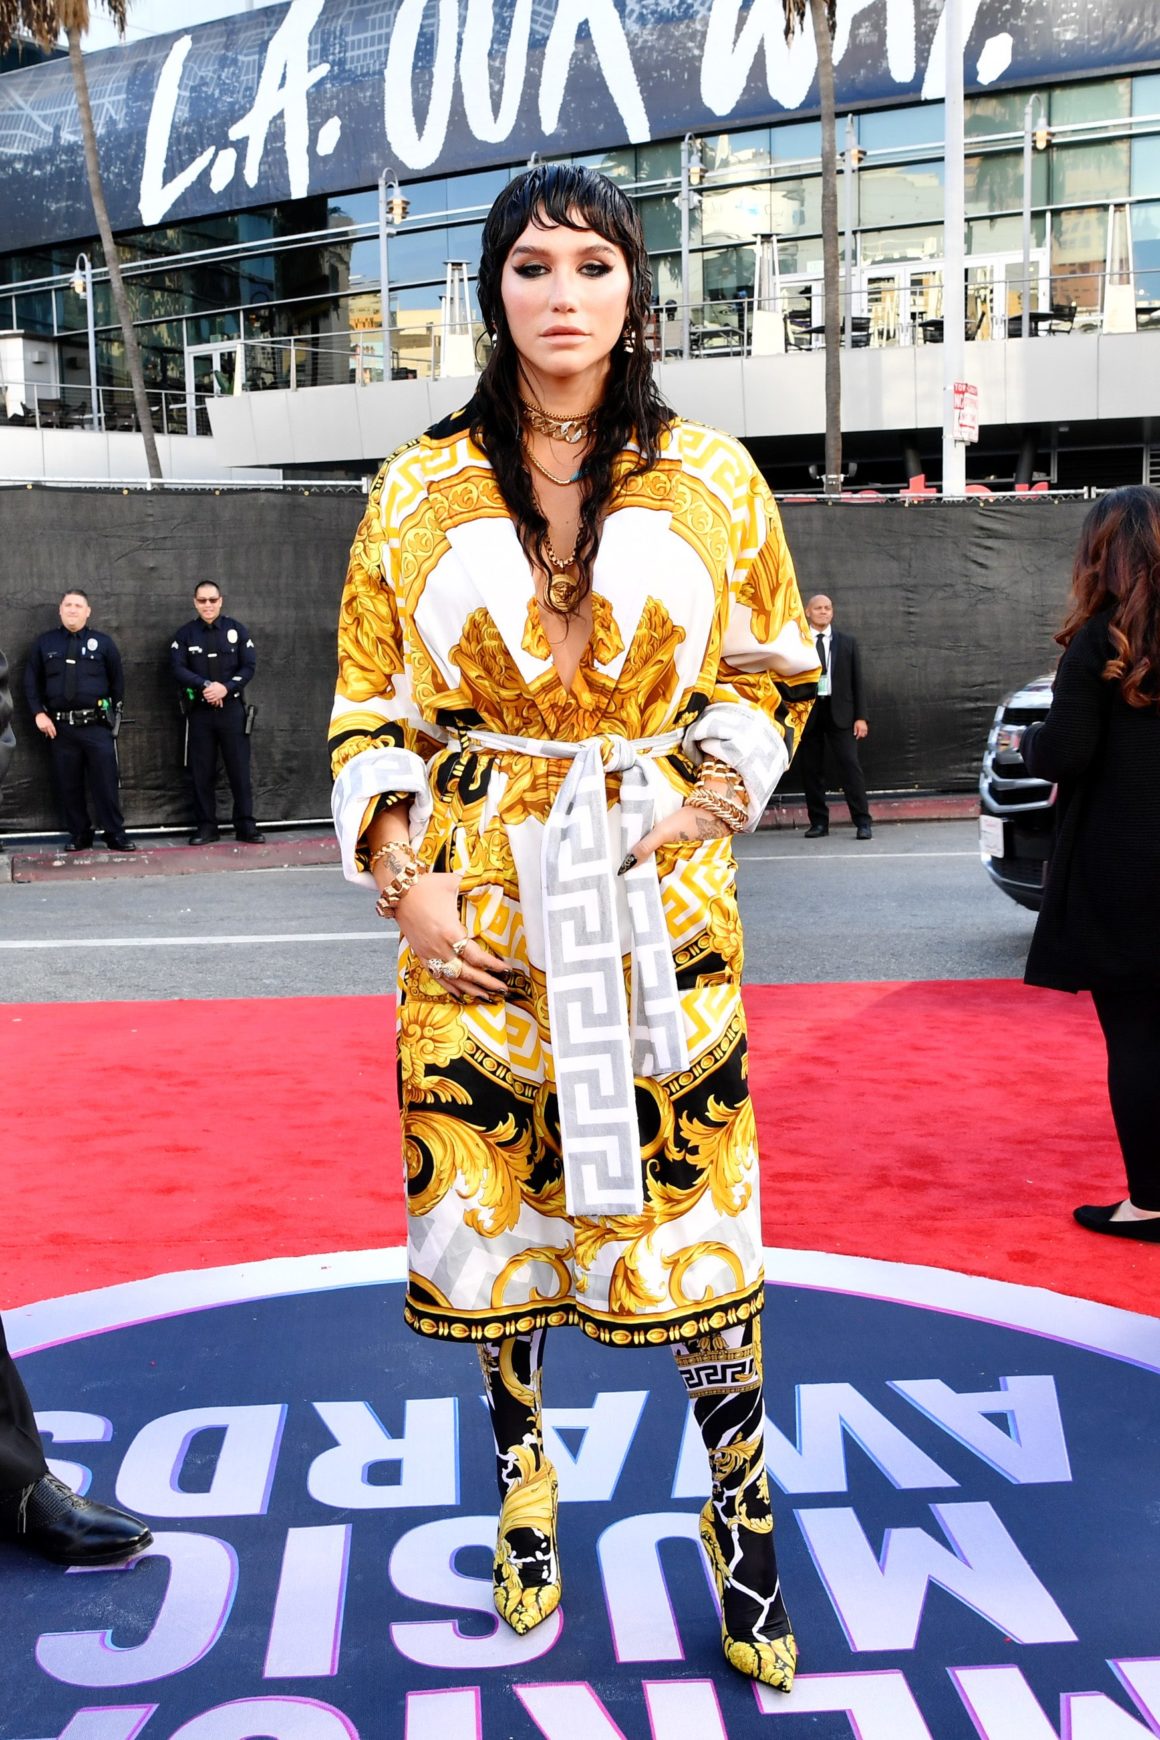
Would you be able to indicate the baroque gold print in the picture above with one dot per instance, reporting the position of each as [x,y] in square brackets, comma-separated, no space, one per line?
[480,1124]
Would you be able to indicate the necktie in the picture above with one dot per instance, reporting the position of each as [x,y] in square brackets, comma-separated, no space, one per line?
[70,670]
[821,645]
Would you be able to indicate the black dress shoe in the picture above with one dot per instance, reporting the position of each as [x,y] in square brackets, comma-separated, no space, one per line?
[84,844]
[120,843]
[1100,1220]
[204,837]
[250,837]
[815,831]
[51,1520]
[862,832]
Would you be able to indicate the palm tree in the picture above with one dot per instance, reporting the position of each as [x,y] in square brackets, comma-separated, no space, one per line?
[824,24]
[46,21]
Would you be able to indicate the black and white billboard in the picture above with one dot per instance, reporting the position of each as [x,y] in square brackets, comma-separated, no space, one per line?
[317,96]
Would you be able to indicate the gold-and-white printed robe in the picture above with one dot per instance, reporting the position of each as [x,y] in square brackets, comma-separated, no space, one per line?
[623,1032]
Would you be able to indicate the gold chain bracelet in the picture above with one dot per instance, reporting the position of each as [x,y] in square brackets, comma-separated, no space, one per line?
[735,818]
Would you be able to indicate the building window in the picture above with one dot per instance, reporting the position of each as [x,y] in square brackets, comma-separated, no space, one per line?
[1083,172]
[1079,242]
[997,112]
[734,214]
[881,246]
[1146,94]
[795,206]
[994,182]
[1004,235]
[1146,254]
[910,193]
[728,274]
[1146,166]
[1102,100]
[901,129]
[732,151]
[796,142]
[659,162]
[617,165]
[660,218]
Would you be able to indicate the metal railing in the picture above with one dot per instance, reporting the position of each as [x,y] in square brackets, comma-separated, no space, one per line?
[43,405]
[896,305]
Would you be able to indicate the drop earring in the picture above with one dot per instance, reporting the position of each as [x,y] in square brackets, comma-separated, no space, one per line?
[628,340]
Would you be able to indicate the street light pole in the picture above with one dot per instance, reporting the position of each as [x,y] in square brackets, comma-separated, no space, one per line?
[388,179]
[848,179]
[954,265]
[686,151]
[82,283]
[1028,120]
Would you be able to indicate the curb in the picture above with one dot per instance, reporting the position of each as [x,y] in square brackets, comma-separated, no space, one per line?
[296,851]
[309,851]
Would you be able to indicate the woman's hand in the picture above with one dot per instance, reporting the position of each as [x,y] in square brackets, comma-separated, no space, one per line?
[428,916]
[684,825]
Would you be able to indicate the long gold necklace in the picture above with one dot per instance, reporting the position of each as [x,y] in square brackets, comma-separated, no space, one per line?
[544,472]
[569,429]
[562,591]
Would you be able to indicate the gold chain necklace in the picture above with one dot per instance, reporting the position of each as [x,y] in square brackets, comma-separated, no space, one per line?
[550,475]
[569,429]
[561,562]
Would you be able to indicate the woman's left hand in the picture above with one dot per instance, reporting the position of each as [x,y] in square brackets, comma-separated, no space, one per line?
[682,827]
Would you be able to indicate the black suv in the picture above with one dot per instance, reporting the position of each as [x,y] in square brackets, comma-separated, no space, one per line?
[1017,813]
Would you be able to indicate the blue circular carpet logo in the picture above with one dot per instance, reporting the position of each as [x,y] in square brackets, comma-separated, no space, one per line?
[967,1520]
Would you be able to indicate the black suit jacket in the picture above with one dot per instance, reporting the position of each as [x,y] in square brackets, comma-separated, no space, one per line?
[847,699]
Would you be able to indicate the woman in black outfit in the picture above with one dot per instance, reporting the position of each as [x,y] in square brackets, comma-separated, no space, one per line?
[1099,927]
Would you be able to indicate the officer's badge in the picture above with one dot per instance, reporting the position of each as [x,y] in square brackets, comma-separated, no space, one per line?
[231,635]
[93,643]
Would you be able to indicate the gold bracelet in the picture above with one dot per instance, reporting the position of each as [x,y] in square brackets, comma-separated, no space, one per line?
[735,818]
[390,896]
[736,789]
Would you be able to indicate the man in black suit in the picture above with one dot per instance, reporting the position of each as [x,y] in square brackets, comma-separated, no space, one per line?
[37,1511]
[838,718]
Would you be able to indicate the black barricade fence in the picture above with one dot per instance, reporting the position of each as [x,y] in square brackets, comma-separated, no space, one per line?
[952,606]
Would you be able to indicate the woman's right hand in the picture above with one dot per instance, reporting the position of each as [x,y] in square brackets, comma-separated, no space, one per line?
[428,917]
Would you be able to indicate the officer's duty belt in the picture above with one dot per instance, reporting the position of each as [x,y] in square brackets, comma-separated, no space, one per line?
[79,716]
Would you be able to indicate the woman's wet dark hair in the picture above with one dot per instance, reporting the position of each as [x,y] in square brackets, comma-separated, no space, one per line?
[631,410]
[1117,567]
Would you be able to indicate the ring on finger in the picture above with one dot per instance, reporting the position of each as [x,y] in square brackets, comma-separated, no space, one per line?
[459,947]
[452,969]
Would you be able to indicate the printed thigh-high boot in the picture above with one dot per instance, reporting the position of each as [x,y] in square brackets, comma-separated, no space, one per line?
[723,1376]
[527,1566]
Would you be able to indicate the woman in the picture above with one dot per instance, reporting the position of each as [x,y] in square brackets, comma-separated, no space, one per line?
[573,660]
[1099,927]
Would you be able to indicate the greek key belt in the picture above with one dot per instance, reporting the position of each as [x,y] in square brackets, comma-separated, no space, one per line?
[596,1047]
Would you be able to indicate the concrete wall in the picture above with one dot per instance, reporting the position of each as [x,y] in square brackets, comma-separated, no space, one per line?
[1077,378]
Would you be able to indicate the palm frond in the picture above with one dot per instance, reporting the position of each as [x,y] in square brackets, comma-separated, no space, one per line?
[795,16]
[46,20]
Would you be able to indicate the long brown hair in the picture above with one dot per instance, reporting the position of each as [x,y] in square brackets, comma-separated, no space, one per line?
[631,410]
[1117,567]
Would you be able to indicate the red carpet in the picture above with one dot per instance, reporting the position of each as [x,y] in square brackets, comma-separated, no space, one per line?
[954,1124]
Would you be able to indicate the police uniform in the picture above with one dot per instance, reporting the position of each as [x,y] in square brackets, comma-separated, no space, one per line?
[77,679]
[21,1455]
[217,652]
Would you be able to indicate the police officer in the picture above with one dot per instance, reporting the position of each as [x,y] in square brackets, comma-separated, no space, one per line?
[37,1511]
[213,659]
[73,681]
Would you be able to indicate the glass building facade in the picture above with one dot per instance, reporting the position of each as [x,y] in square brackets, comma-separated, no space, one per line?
[289,294]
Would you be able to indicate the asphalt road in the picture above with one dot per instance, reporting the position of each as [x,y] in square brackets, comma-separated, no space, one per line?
[913,903]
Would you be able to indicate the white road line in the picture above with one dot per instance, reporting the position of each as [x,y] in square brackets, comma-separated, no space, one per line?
[841,857]
[201,942]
